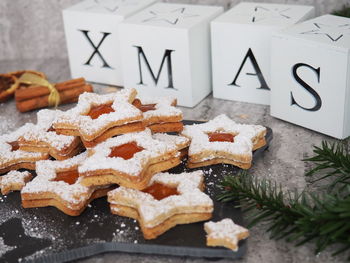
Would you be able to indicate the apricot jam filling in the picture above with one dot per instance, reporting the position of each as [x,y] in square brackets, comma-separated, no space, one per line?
[160,191]
[143,107]
[51,129]
[14,146]
[220,137]
[70,177]
[97,111]
[125,151]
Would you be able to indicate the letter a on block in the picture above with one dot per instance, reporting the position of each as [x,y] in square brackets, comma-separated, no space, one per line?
[166,58]
[96,48]
[257,73]
[318,101]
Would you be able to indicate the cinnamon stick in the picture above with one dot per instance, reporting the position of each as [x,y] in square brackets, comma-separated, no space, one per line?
[6,81]
[66,96]
[34,91]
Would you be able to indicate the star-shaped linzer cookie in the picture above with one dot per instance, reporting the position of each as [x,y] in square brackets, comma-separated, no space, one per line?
[222,140]
[169,200]
[129,160]
[171,17]
[225,233]
[58,184]
[99,117]
[14,181]
[43,138]
[160,113]
[12,157]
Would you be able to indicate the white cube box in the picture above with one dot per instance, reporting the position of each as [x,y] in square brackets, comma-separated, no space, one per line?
[92,37]
[310,75]
[241,48]
[166,51]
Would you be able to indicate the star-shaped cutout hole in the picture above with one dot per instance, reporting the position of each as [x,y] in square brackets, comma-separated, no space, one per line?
[58,184]
[125,151]
[332,32]
[169,200]
[144,107]
[264,13]
[221,137]
[129,160]
[160,113]
[111,5]
[222,140]
[171,17]
[225,233]
[98,117]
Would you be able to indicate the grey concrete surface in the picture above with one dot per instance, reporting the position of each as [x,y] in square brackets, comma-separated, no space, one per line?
[34,29]
[31,37]
[281,162]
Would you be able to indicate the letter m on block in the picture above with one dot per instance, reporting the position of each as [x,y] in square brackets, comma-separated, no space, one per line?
[165,60]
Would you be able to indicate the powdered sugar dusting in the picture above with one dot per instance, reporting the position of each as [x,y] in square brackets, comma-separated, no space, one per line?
[4,248]
[180,141]
[6,124]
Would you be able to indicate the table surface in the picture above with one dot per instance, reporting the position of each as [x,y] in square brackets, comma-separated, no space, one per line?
[281,162]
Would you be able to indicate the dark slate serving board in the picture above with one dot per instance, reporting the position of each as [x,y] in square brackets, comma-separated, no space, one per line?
[48,235]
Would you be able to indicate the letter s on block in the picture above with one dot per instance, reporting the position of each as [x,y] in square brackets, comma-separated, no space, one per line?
[306,86]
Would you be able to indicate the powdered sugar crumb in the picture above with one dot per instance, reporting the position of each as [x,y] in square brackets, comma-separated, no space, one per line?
[5,248]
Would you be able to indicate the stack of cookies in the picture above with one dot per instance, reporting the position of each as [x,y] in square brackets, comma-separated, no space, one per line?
[117,145]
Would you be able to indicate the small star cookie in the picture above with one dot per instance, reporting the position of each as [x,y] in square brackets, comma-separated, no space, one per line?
[169,200]
[14,181]
[225,233]
[222,140]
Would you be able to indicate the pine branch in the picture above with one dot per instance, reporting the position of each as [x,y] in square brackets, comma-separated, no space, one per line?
[345,11]
[332,158]
[294,216]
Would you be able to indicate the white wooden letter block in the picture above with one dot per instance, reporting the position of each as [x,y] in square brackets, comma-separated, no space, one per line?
[310,75]
[241,48]
[91,29]
[166,51]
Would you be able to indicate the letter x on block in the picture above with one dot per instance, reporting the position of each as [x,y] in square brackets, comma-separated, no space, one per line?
[96,48]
